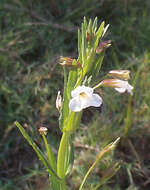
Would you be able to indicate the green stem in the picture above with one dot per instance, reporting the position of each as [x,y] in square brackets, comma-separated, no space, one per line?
[97,86]
[65,78]
[51,157]
[87,174]
[63,155]
[57,184]
[63,185]
[128,118]
[79,79]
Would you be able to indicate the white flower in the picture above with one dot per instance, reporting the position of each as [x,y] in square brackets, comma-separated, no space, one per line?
[124,86]
[83,97]
[119,85]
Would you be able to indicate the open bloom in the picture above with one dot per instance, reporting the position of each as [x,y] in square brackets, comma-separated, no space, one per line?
[119,85]
[83,97]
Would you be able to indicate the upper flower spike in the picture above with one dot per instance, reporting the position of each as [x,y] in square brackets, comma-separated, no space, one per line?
[83,97]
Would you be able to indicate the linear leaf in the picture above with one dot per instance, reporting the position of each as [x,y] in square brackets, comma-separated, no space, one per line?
[99,34]
[37,150]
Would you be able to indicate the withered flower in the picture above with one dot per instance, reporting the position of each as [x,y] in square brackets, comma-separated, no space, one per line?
[103,45]
[43,130]
[69,62]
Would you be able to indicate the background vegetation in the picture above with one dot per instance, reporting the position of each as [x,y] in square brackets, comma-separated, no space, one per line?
[32,37]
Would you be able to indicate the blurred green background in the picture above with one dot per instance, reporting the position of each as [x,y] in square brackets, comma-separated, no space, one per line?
[33,34]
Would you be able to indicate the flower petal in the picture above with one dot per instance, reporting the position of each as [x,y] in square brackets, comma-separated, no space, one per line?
[83,97]
[75,104]
[96,100]
[120,90]
[85,102]
[81,89]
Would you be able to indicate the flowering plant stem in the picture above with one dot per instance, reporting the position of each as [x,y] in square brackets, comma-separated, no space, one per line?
[63,155]
[51,157]
[79,76]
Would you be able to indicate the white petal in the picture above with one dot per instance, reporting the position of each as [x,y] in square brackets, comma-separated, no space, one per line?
[81,89]
[83,97]
[85,102]
[96,100]
[93,100]
[127,88]
[87,89]
[120,90]
[76,91]
[124,86]
[75,104]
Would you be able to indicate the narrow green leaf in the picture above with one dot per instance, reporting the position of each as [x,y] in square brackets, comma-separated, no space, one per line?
[98,64]
[94,27]
[99,34]
[90,26]
[37,150]
[85,23]
[51,158]
[100,30]
[65,109]
[71,157]
[83,45]
[105,30]
[63,155]
[79,42]
[89,64]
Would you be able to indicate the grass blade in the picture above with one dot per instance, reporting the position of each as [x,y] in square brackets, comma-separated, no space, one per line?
[101,154]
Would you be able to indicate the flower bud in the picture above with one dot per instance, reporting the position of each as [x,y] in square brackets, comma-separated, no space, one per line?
[103,45]
[43,130]
[121,74]
[65,61]
[58,101]
[88,37]
[69,62]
